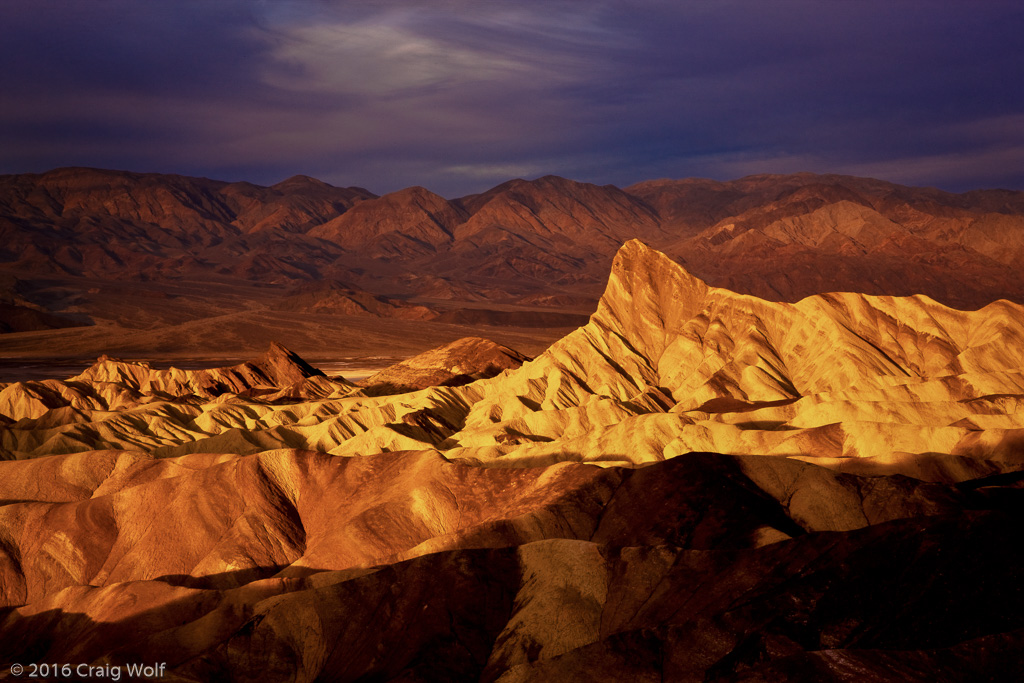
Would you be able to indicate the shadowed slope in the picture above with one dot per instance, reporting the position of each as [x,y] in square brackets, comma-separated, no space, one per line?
[670,557]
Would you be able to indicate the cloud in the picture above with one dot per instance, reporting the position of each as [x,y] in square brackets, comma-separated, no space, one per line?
[380,59]
[991,167]
[452,94]
[490,171]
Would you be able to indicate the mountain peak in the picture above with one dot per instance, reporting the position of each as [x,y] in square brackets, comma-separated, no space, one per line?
[638,264]
[415,192]
[300,180]
[284,365]
[649,294]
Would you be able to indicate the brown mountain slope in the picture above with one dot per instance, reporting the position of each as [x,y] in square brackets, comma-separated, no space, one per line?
[113,224]
[543,242]
[330,296]
[520,238]
[560,210]
[549,231]
[402,225]
[174,203]
[786,237]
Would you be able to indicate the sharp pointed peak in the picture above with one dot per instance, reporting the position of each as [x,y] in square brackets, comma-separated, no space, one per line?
[286,363]
[635,254]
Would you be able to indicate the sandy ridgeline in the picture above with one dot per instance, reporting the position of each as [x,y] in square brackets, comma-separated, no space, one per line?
[695,485]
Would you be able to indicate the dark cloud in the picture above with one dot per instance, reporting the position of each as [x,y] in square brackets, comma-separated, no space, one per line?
[460,95]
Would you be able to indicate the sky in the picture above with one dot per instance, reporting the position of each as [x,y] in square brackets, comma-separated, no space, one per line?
[460,95]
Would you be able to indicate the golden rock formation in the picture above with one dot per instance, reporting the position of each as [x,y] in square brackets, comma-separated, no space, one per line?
[695,485]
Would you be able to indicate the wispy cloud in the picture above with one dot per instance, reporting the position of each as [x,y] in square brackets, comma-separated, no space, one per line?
[381,58]
[491,171]
[401,50]
[453,94]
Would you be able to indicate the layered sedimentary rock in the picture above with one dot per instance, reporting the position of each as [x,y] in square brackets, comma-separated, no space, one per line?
[695,485]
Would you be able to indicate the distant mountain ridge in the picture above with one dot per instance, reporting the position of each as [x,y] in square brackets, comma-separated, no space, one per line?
[530,242]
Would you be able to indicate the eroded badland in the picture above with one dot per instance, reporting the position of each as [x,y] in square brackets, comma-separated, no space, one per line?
[694,485]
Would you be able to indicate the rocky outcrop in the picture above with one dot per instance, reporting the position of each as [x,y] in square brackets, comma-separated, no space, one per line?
[461,362]
[112,384]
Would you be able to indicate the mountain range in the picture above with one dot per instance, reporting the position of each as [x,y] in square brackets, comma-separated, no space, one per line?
[695,485]
[140,255]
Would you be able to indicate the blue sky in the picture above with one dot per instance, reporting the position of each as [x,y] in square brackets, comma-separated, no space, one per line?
[461,95]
